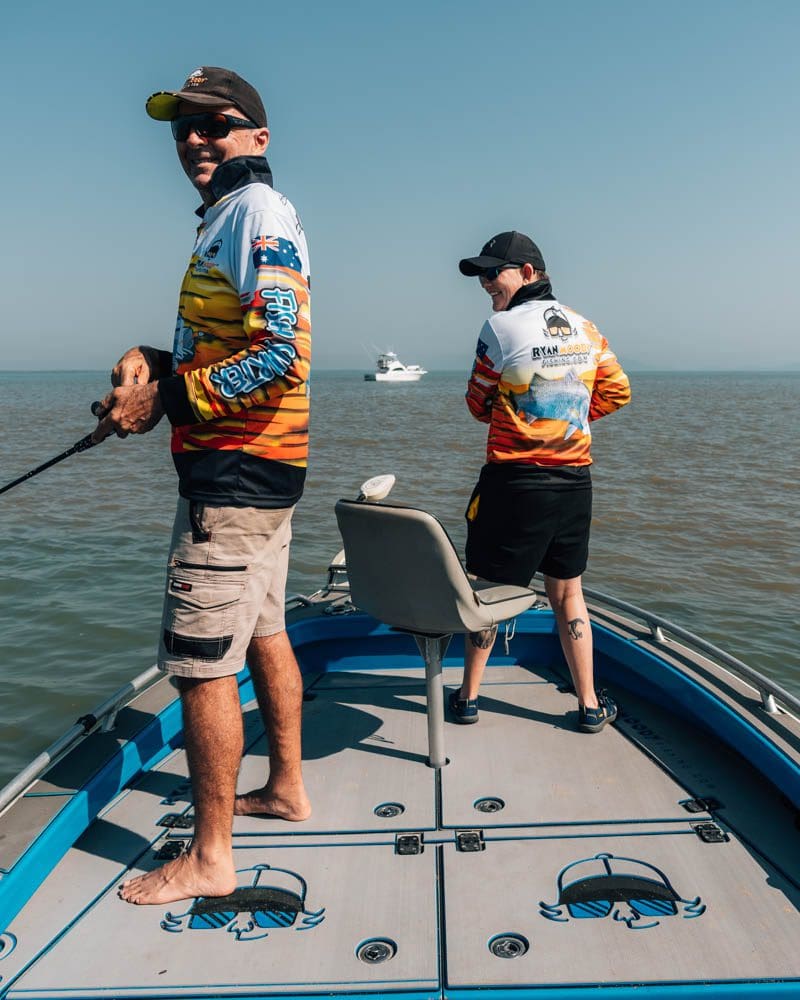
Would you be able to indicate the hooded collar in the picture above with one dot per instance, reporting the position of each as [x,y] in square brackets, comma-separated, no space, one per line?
[235,173]
[538,290]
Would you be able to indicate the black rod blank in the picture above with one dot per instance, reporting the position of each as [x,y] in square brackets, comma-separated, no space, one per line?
[83,445]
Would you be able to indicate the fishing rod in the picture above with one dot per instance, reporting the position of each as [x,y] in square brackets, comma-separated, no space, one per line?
[83,445]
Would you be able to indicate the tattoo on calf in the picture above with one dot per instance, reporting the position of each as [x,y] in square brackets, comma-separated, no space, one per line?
[484,638]
[574,631]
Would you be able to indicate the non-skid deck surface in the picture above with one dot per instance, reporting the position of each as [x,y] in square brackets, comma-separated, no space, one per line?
[364,745]
[308,943]
[527,753]
[591,869]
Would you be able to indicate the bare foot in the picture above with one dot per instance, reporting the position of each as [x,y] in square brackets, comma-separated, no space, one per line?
[293,806]
[184,878]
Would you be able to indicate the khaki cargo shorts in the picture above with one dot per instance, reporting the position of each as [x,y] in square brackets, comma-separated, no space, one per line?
[226,583]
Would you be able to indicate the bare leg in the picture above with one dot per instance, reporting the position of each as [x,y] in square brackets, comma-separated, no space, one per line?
[212,721]
[477,650]
[574,630]
[279,689]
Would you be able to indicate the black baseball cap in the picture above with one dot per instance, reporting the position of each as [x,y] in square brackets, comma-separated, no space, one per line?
[213,87]
[505,248]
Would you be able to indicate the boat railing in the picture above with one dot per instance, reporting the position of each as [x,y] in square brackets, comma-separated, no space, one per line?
[770,692]
[102,717]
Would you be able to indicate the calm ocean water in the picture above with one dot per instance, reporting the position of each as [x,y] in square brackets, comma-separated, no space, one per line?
[696,518]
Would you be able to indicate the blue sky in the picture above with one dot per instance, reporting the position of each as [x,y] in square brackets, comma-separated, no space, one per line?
[650,149]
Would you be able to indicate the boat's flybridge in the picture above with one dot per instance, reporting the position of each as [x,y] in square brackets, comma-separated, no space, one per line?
[653,859]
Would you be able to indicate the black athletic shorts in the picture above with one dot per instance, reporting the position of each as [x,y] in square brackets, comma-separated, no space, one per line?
[526,518]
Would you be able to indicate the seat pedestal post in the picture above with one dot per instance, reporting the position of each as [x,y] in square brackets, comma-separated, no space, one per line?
[433,648]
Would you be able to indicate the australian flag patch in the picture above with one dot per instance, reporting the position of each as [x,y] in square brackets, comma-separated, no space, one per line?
[274,251]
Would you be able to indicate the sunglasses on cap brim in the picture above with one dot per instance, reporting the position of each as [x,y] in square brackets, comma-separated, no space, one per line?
[208,125]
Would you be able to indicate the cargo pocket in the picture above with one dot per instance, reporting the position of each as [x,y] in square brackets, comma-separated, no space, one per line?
[200,613]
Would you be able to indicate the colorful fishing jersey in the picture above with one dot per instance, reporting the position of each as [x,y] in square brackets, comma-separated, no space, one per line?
[542,373]
[238,398]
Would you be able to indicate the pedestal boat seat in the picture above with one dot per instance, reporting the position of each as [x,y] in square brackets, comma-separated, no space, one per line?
[404,570]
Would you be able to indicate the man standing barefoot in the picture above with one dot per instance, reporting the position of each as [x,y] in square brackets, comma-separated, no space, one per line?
[235,389]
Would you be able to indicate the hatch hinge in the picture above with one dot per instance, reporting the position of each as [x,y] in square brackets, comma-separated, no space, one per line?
[409,843]
[708,804]
[176,821]
[170,850]
[710,833]
[470,841]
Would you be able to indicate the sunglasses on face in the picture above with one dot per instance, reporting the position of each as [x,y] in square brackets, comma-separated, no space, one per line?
[209,125]
[491,272]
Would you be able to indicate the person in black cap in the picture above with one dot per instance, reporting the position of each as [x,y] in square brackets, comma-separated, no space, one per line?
[541,374]
[235,389]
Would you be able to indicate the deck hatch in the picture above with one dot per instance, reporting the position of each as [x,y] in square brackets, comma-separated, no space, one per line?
[374,740]
[327,919]
[577,900]
[546,772]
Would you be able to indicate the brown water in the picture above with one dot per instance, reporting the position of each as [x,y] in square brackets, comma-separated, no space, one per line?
[695,518]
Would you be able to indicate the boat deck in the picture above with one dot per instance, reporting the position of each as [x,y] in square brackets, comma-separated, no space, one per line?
[526,862]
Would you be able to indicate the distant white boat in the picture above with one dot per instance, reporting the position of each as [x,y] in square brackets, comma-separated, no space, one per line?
[389,368]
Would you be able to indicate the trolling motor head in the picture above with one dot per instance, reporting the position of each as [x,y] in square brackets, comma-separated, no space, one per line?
[373,489]
[376,488]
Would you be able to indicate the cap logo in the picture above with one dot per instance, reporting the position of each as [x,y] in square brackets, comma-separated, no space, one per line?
[196,78]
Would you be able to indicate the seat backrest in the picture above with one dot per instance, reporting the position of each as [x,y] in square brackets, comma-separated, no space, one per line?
[404,570]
